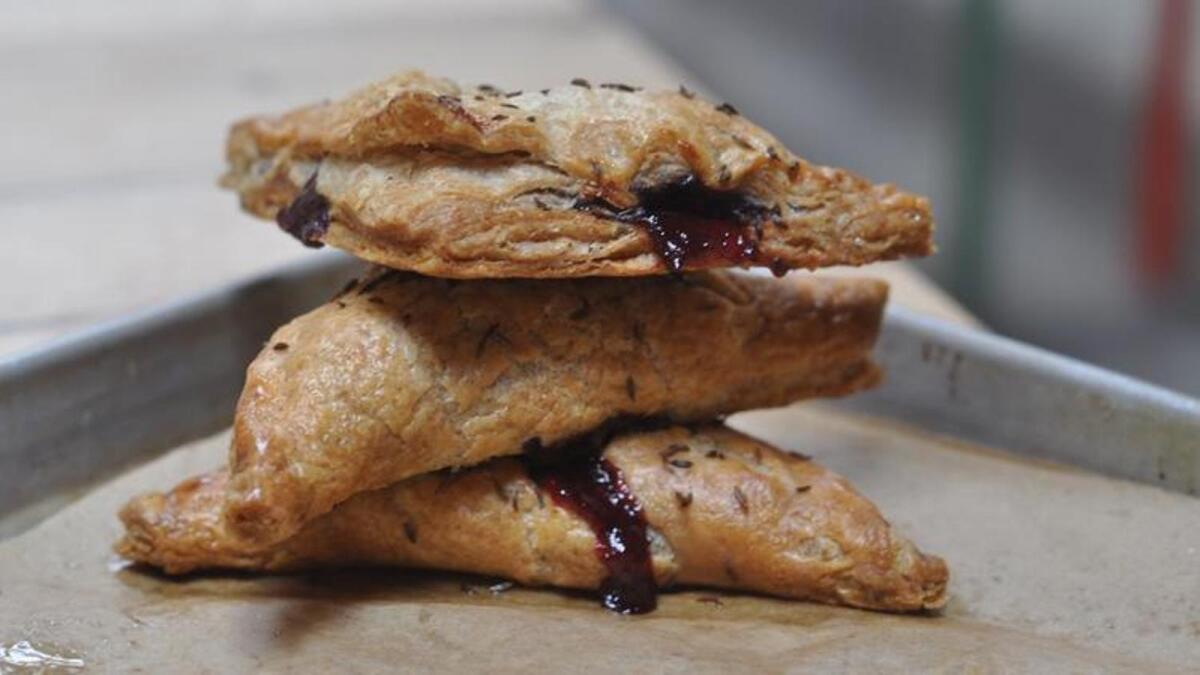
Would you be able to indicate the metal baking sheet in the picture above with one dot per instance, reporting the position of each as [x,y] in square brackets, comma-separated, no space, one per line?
[1005,394]
[84,408]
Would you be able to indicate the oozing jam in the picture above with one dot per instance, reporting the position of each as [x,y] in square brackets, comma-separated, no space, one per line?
[580,480]
[307,217]
[593,490]
[693,225]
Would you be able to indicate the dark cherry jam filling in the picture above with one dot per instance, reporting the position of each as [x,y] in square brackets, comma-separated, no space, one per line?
[693,225]
[580,480]
[307,217]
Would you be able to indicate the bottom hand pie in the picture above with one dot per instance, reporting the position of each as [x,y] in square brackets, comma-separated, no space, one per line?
[705,506]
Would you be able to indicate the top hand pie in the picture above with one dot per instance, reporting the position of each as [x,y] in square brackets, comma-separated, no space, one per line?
[418,173]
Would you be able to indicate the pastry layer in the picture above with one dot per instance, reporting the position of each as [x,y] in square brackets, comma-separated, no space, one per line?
[418,173]
[723,510]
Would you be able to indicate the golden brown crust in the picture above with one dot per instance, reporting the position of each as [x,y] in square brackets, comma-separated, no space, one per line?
[739,515]
[406,374]
[424,175]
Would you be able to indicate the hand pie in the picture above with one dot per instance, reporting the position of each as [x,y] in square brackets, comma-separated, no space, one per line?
[706,506]
[402,374]
[418,173]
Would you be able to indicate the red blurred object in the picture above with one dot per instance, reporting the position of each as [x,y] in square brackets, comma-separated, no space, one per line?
[1161,195]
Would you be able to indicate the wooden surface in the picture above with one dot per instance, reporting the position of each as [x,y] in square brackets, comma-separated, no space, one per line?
[115,114]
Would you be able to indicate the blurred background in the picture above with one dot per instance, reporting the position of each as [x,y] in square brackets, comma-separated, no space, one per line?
[1057,140]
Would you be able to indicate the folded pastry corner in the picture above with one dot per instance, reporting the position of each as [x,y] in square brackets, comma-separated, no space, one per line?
[704,506]
[418,173]
[402,374]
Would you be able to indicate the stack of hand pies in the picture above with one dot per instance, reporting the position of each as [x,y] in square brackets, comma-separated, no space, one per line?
[529,383]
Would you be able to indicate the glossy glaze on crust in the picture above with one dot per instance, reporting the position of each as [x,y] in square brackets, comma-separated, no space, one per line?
[424,175]
[796,531]
[404,374]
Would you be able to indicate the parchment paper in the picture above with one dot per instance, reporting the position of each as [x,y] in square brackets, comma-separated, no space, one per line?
[1052,570]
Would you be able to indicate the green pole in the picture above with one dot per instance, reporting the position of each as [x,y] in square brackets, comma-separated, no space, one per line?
[977,106]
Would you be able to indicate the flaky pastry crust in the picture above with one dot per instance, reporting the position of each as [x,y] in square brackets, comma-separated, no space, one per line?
[418,173]
[729,512]
[403,374]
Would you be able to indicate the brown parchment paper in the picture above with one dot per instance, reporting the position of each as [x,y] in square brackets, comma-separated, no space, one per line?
[1053,570]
